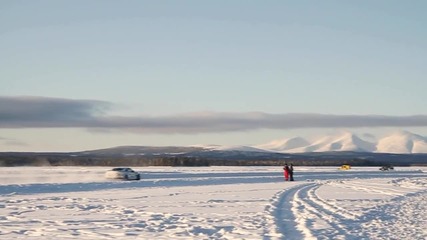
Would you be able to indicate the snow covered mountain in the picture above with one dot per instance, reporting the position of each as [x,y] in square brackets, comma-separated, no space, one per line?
[341,142]
[283,145]
[398,148]
[402,142]
[239,148]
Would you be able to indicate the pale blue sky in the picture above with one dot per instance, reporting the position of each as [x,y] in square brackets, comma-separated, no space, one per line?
[167,58]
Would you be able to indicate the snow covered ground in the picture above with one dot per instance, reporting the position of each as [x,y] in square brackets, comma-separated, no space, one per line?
[213,203]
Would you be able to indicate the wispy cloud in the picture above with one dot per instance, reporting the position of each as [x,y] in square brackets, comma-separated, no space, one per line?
[41,112]
[12,142]
[34,112]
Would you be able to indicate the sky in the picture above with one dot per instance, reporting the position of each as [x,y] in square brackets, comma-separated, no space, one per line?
[79,75]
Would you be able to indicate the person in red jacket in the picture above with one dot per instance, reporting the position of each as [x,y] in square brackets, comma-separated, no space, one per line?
[286,172]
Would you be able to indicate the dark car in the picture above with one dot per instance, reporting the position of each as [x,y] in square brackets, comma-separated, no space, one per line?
[386,168]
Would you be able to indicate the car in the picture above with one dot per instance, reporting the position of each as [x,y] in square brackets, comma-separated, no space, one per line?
[387,168]
[124,173]
[345,167]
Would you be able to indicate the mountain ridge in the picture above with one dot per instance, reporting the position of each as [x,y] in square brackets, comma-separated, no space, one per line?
[402,148]
[403,142]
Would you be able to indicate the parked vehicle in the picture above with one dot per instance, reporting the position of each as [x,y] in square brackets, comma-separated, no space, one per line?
[345,167]
[122,173]
[386,168]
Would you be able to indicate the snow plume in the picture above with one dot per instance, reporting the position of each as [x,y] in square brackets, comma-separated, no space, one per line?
[42,112]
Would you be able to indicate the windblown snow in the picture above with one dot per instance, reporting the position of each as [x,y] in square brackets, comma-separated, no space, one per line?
[213,203]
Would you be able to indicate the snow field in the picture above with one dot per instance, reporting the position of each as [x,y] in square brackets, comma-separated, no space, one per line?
[213,203]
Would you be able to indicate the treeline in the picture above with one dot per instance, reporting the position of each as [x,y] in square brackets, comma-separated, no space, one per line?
[101,161]
[61,160]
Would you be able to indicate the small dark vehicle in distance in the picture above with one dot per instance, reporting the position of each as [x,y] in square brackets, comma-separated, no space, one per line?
[386,168]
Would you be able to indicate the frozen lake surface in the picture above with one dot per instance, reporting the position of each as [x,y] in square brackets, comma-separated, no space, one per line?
[213,203]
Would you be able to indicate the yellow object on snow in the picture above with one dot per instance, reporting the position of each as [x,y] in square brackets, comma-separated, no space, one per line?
[345,167]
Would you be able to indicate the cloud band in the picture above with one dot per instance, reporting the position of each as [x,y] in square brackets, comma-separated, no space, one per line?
[41,112]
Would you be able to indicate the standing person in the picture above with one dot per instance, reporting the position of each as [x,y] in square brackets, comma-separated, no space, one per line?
[291,172]
[286,172]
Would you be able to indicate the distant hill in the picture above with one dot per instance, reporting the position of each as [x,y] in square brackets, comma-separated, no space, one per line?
[400,148]
[142,150]
[193,156]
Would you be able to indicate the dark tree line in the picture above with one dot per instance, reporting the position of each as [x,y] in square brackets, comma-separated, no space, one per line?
[61,160]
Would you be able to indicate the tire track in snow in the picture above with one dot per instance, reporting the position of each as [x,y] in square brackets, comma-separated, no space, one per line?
[323,221]
[332,206]
[313,219]
[374,188]
[283,221]
[299,213]
[291,209]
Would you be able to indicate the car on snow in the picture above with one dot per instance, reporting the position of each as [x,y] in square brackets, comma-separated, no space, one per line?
[387,168]
[345,167]
[123,173]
